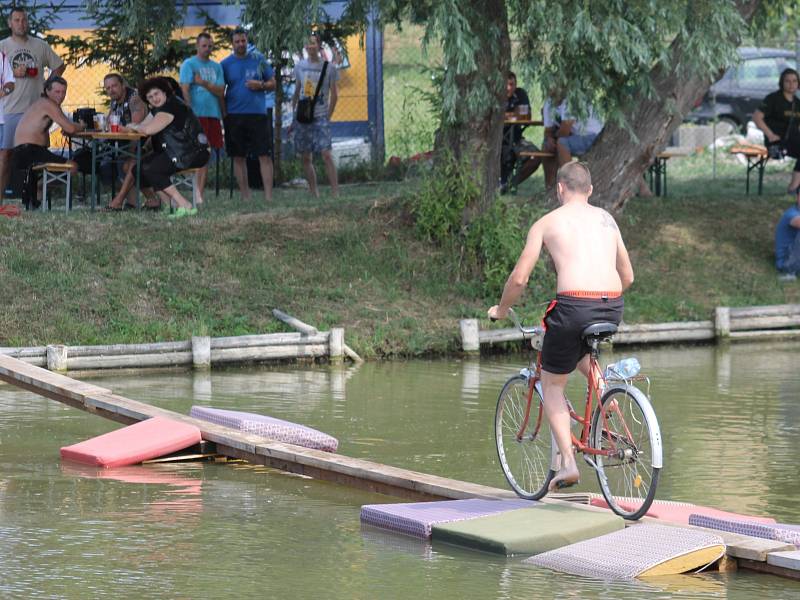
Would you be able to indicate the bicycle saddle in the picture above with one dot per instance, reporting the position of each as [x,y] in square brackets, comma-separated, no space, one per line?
[599,330]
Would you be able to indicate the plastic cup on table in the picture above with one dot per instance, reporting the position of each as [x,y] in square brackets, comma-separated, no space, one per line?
[114,123]
[523,111]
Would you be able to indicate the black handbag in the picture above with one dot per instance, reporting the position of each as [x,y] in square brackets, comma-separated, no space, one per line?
[305,106]
[187,148]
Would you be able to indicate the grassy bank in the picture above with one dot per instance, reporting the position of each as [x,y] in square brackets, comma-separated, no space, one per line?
[354,262]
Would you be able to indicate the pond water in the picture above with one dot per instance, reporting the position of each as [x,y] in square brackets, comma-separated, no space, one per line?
[730,418]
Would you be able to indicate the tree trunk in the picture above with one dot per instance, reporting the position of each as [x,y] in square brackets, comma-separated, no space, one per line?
[474,135]
[617,161]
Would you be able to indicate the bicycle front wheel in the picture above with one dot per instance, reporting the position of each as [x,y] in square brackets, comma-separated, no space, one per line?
[523,438]
[625,426]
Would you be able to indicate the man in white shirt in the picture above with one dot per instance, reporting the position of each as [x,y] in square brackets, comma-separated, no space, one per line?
[28,55]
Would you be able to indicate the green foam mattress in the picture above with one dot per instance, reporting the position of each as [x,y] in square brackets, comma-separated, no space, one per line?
[528,530]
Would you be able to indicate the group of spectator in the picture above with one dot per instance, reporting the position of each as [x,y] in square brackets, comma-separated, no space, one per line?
[212,105]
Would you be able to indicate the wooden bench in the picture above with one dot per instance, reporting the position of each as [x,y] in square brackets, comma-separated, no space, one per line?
[658,170]
[536,154]
[186,178]
[52,172]
[757,158]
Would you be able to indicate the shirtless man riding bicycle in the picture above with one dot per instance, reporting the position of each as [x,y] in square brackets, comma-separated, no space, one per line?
[593,269]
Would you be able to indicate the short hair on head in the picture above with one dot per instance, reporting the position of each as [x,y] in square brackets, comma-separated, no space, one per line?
[52,80]
[204,34]
[116,76]
[17,9]
[159,83]
[239,31]
[784,73]
[511,75]
[576,177]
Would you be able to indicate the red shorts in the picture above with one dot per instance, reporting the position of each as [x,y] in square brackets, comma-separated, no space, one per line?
[212,127]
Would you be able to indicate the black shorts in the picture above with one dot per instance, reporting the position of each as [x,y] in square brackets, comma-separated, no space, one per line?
[565,320]
[248,135]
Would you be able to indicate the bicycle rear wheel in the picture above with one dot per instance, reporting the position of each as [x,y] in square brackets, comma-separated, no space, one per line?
[628,428]
[524,448]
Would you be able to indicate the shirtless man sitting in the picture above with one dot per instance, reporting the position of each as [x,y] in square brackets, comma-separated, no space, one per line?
[32,138]
[593,269]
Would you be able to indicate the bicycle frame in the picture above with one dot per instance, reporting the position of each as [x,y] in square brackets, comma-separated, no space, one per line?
[593,388]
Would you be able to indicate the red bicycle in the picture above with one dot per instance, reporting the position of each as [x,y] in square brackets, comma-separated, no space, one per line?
[619,438]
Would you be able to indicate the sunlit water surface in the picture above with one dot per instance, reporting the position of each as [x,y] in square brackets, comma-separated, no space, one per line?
[730,419]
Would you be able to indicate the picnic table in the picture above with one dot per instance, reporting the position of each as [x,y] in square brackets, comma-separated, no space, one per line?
[757,157]
[107,144]
[658,170]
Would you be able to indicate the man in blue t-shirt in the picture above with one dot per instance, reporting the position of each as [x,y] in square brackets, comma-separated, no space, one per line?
[787,243]
[248,129]
[203,87]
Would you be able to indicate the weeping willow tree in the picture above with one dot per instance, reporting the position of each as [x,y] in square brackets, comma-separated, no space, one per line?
[640,63]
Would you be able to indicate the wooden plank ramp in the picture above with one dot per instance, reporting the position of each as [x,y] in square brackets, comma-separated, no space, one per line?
[364,474]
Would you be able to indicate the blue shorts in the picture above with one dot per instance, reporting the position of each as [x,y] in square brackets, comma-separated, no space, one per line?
[9,129]
[578,144]
[312,137]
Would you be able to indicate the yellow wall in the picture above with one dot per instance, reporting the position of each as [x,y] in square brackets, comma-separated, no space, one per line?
[85,83]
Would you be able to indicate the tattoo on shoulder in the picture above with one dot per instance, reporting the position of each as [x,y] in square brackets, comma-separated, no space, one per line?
[136,103]
[608,220]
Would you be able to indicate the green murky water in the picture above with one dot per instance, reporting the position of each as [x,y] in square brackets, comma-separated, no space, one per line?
[730,420]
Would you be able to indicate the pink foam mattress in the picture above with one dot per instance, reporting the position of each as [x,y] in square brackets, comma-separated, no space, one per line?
[679,512]
[269,427]
[417,518]
[130,445]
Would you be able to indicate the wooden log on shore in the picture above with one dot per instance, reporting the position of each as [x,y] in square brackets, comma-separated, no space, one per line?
[691,331]
[470,335]
[352,355]
[129,349]
[764,322]
[336,344]
[765,334]
[268,339]
[765,311]
[294,323]
[123,361]
[268,353]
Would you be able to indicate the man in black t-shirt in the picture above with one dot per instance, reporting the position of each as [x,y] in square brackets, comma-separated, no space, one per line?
[513,142]
[778,117]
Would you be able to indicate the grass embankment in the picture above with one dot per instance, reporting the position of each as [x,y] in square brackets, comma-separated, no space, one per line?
[353,262]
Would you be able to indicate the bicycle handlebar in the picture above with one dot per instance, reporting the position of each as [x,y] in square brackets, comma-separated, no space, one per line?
[526,331]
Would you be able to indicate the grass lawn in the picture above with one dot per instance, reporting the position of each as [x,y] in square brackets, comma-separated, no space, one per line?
[356,262]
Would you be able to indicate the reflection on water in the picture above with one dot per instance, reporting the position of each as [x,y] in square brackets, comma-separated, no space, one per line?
[729,418]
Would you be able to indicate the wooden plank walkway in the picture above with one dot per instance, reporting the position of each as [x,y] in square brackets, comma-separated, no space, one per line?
[751,552]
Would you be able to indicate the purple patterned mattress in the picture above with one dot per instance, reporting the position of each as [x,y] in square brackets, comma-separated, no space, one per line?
[789,534]
[417,518]
[269,427]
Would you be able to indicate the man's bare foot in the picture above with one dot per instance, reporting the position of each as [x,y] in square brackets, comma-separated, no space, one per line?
[565,478]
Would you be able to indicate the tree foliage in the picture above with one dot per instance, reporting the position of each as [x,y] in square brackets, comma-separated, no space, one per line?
[134,37]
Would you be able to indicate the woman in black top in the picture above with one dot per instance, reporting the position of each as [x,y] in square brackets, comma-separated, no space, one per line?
[778,117]
[178,141]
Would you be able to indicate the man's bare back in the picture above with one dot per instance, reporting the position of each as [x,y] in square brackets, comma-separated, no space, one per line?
[584,243]
[34,127]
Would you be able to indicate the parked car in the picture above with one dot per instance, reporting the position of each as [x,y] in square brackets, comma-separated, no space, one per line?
[735,97]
